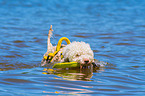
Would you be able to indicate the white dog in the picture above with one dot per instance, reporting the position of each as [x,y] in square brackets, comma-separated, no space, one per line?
[79,52]
[74,52]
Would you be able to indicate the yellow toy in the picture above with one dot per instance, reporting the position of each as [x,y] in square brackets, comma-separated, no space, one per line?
[66,65]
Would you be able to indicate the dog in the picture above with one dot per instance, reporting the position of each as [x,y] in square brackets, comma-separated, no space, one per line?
[79,52]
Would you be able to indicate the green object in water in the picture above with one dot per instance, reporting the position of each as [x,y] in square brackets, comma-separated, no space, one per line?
[66,65]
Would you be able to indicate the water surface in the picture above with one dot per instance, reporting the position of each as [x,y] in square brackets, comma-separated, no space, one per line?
[115,29]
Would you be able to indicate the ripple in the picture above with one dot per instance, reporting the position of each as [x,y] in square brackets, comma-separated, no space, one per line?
[105,55]
[22,45]
[2,63]
[10,56]
[107,34]
[6,83]
[68,87]
[123,80]
[121,87]
[107,38]
[107,90]
[18,41]
[81,36]
[126,44]
[57,35]
[139,36]
[95,51]
[17,80]
[12,66]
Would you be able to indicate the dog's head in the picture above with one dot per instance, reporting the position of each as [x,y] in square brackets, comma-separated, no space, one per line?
[79,52]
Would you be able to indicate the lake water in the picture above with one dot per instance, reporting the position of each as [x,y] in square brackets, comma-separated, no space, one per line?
[115,30]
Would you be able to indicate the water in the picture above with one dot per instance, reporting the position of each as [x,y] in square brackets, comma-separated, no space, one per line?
[115,29]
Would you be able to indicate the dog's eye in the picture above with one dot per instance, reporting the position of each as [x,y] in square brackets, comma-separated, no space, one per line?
[77,55]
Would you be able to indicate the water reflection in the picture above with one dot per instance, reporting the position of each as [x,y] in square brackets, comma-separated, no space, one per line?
[73,73]
[67,81]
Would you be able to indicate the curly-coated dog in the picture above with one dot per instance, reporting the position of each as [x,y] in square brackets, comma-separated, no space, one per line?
[79,52]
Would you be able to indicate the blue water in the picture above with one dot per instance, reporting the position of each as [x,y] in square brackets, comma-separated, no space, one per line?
[115,29]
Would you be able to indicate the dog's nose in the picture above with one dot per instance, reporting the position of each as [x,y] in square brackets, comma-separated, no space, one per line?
[86,61]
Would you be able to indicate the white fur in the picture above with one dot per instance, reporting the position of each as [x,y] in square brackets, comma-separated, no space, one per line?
[78,52]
